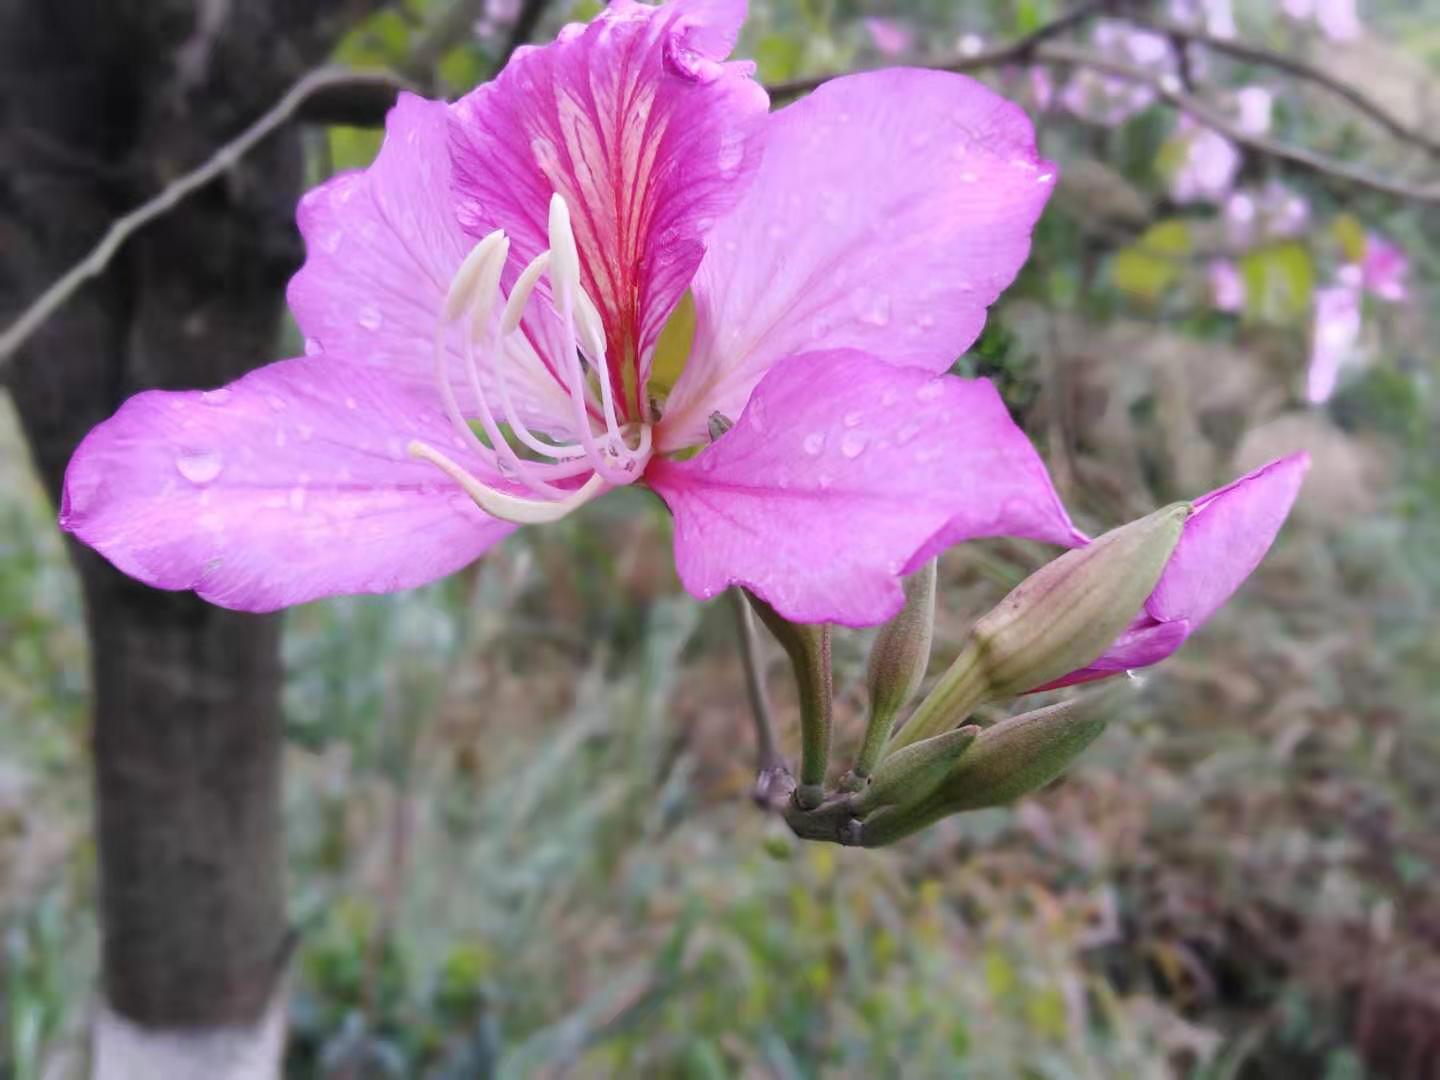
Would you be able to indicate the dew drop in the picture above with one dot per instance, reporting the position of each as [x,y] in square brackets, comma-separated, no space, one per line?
[216,397]
[276,402]
[814,443]
[200,467]
[889,397]
[930,391]
[852,419]
[351,403]
[906,433]
[313,347]
[370,318]
[853,444]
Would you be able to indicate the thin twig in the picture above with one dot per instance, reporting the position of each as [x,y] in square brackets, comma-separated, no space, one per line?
[1170,91]
[93,264]
[770,768]
[1011,52]
[1257,54]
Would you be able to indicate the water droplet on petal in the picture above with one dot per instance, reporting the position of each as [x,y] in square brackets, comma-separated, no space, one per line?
[370,318]
[853,444]
[350,403]
[889,397]
[313,347]
[277,402]
[906,433]
[199,467]
[930,391]
[216,397]
[852,419]
[814,443]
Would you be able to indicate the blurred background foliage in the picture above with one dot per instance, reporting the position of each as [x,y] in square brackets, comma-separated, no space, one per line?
[520,835]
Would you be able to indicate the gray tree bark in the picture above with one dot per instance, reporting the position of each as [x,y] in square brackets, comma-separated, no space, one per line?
[101,102]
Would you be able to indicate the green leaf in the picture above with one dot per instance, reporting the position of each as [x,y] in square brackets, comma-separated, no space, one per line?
[1279,280]
[1148,267]
[778,57]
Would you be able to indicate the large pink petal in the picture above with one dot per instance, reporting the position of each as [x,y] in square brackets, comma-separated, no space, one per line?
[1224,540]
[382,246]
[289,484]
[647,135]
[889,210]
[842,474]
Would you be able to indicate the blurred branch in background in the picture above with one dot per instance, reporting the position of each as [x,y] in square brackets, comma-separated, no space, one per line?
[315,83]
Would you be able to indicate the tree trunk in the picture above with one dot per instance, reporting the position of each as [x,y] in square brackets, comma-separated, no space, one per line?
[102,102]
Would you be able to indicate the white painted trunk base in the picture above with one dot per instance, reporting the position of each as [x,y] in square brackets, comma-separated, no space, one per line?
[122,1050]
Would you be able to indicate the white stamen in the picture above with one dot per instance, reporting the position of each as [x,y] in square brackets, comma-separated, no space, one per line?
[483,265]
[520,295]
[509,507]
[564,256]
[589,327]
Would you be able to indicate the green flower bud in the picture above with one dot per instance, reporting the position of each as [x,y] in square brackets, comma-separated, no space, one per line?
[897,666]
[1014,758]
[909,775]
[1058,619]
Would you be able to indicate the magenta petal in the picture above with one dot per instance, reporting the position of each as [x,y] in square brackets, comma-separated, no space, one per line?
[647,135]
[1224,540]
[381,248]
[1143,644]
[842,474]
[289,484]
[889,210]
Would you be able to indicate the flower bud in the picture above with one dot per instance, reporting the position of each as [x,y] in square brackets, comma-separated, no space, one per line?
[1014,758]
[808,647]
[909,775]
[898,661]
[1058,619]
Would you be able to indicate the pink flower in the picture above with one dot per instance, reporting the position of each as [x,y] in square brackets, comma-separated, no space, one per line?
[1384,269]
[1207,170]
[483,311]
[1226,536]
[1335,338]
[1105,99]
[1227,287]
[1215,17]
[1337,19]
[889,37]
[1271,212]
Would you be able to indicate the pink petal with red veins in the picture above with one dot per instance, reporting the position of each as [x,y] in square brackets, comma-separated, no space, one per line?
[844,473]
[646,134]
[289,484]
[889,210]
[382,246]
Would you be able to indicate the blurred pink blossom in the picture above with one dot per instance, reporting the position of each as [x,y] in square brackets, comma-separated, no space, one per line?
[889,37]
[1335,337]
[1104,99]
[1215,17]
[1337,19]
[1227,287]
[1384,269]
[1208,168]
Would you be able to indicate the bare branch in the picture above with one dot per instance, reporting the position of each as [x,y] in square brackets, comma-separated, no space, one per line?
[321,79]
[1294,66]
[1170,91]
[1012,52]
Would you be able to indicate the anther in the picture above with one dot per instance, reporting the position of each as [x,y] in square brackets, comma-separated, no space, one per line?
[520,294]
[498,504]
[478,276]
